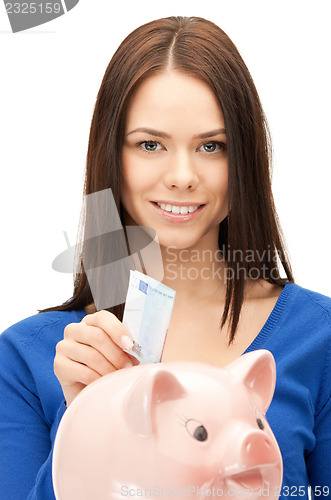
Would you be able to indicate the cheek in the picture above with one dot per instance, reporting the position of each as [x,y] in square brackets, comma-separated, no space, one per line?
[137,177]
[218,186]
[220,193]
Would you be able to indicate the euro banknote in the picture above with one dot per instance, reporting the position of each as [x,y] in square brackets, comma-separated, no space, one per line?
[147,314]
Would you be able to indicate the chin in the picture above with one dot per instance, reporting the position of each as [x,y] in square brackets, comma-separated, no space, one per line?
[183,238]
[179,242]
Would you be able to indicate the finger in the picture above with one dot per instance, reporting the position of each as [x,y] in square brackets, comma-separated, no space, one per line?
[95,337]
[88,356]
[71,373]
[112,326]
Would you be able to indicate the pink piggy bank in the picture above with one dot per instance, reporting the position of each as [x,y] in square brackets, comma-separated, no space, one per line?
[171,429]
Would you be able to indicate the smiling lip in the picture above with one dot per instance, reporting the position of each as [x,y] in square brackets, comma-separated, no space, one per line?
[178,211]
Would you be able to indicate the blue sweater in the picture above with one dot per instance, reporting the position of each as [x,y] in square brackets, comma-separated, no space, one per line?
[297,332]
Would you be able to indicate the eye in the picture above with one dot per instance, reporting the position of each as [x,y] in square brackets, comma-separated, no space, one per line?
[212,147]
[260,424]
[196,430]
[150,146]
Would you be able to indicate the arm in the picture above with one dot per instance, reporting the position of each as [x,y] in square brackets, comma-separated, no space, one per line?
[31,399]
[319,460]
[25,435]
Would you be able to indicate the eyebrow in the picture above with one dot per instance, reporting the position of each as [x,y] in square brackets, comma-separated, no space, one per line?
[163,135]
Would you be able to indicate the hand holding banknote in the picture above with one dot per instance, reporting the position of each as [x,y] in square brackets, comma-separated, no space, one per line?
[95,346]
[89,350]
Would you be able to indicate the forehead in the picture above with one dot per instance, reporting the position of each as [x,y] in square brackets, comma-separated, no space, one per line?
[173,98]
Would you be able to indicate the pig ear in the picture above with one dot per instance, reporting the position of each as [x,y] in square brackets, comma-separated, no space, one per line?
[152,387]
[257,371]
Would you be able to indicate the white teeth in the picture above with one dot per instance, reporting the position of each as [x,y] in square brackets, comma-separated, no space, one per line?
[175,209]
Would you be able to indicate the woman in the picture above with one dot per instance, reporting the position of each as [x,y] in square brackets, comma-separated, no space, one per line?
[179,136]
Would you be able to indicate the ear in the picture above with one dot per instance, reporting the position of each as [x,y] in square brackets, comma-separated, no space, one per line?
[257,371]
[155,385]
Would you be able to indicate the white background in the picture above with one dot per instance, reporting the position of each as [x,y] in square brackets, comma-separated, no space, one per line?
[50,76]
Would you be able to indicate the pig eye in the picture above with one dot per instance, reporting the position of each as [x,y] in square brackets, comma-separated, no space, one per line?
[260,424]
[196,430]
[200,433]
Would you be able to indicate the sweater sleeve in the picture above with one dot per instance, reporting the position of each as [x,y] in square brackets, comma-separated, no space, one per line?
[319,460]
[43,487]
[26,434]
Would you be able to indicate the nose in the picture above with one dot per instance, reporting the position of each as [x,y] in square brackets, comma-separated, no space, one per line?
[258,449]
[181,173]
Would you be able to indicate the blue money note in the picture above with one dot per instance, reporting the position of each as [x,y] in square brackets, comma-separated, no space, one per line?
[147,314]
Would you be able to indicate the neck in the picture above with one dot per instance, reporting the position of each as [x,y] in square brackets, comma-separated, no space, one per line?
[198,272]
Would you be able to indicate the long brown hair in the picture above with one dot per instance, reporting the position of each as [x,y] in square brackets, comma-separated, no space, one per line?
[201,49]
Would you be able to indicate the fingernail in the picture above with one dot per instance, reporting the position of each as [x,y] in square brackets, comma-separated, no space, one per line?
[126,342]
[128,365]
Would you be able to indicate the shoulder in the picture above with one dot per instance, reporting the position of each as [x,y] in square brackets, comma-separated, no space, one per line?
[43,326]
[299,318]
[27,349]
[312,296]
[306,306]
[301,341]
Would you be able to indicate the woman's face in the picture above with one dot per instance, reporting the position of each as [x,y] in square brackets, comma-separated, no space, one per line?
[174,161]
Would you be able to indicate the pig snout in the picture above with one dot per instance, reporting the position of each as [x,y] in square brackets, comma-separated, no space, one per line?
[257,450]
[251,463]
[255,462]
